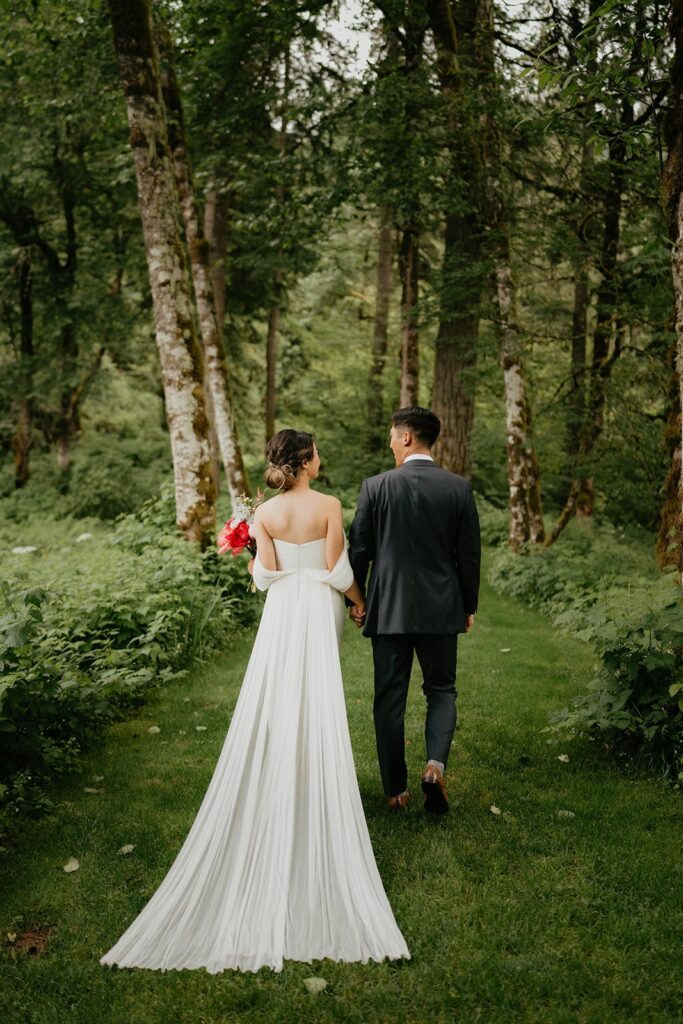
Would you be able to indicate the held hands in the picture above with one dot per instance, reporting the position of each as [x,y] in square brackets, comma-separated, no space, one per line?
[357,614]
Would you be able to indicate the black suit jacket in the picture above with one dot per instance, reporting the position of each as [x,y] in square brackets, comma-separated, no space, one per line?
[417,525]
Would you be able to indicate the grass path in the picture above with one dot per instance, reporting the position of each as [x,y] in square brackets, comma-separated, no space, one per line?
[525,916]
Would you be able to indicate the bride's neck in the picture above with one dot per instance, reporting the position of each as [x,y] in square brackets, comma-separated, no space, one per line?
[302,483]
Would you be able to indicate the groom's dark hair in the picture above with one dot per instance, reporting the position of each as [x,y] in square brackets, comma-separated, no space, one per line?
[425,424]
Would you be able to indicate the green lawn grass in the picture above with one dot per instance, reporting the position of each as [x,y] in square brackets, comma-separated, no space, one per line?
[522,916]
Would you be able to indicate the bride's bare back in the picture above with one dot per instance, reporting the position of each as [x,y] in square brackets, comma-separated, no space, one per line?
[299,516]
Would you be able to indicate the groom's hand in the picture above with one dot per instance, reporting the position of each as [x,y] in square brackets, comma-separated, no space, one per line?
[469,622]
[357,614]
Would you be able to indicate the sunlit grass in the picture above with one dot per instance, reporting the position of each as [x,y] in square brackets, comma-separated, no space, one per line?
[522,916]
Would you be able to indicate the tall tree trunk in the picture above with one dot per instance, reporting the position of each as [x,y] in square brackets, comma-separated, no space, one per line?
[410,356]
[526,515]
[376,425]
[463,276]
[577,397]
[271,356]
[216,376]
[672,201]
[64,274]
[23,432]
[216,234]
[670,537]
[602,359]
[278,279]
[179,350]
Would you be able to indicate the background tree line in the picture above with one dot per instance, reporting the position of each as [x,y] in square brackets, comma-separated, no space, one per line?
[470,220]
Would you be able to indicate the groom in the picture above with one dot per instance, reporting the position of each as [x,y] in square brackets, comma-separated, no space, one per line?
[417,525]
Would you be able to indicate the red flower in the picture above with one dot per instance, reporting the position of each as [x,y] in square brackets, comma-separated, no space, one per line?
[234,537]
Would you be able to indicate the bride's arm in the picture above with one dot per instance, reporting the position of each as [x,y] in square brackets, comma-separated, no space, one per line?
[334,546]
[264,544]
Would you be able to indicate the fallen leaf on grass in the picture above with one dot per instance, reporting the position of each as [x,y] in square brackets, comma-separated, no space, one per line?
[566,814]
[505,650]
[200,728]
[315,985]
[91,789]
[494,810]
[128,848]
[71,865]
[564,758]
[154,728]
[11,936]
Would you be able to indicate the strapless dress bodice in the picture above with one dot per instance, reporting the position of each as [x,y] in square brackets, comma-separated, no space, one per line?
[310,555]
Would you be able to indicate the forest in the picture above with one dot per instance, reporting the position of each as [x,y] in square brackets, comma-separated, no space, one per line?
[219,218]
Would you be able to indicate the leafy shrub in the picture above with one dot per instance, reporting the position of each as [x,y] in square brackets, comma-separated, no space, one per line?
[580,566]
[636,696]
[88,629]
[601,586]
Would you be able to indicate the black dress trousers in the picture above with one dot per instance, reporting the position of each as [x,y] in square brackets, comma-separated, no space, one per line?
[393,661]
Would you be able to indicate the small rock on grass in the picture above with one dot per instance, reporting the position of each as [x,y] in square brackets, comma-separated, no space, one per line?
[154,729]
[315,985]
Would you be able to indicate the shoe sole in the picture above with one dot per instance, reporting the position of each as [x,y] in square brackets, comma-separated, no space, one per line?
[435,801]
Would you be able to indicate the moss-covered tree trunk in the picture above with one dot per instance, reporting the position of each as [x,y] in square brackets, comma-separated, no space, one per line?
[672,200]
[179,350]
[376,424]
[410,354]
[463,276]
[524,494]
[218,391]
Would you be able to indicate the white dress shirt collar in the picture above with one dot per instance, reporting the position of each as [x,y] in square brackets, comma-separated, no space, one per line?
[416,456]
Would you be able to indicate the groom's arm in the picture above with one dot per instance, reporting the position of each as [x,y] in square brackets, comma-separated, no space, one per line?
[468,550]
[362,538]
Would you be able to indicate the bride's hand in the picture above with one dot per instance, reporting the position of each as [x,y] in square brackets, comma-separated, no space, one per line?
[250,566]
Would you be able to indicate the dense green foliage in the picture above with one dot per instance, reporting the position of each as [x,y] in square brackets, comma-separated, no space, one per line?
[90,624]
[600,586]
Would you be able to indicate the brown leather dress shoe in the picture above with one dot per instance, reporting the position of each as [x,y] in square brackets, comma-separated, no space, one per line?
[398,803]
[434,789]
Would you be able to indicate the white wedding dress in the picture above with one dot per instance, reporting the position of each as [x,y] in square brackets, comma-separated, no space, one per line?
[278,863]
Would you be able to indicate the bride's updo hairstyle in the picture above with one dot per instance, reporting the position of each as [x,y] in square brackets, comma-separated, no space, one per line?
[286,453]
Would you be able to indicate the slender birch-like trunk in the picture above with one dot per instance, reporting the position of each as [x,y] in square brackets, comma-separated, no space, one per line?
[179,351]
[410,356]
[385,250]
[216,377]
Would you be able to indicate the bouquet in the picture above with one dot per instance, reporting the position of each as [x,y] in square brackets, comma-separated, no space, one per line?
[236,534]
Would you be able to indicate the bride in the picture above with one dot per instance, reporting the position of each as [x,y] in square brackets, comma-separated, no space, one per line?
[278,863]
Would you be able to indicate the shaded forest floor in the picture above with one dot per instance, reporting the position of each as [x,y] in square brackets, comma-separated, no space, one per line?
[529,915]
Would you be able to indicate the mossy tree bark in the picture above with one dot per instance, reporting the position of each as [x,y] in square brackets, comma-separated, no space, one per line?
[410,354]
[218,393]
[672,201]
[179,350]
[524,493]
[463,274]
[385,251]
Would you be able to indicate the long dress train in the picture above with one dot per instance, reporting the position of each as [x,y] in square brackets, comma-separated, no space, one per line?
[278,862]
